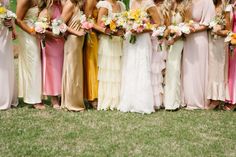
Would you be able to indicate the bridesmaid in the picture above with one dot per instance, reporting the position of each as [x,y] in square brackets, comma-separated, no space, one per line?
[195,56]
[232,62]
[8,96]
[72,80]
[159,55]
[218,58]
[180,12]
[136,88]
[91,57]
[52,55]
[110,52]
[30,78]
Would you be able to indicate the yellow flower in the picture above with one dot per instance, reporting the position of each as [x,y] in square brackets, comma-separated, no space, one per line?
[149,25]
[3,10]
[113,26]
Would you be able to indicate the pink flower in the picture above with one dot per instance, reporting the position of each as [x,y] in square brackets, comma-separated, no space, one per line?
[140,29]
[87,25]
[39,29]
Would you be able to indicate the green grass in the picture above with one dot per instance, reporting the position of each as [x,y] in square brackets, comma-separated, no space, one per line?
[29,132]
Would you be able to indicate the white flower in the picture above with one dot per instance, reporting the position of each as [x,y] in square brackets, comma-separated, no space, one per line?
[159,32]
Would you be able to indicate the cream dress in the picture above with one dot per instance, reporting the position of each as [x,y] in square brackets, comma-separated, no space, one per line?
[172,96]
[30,75]
[109,63]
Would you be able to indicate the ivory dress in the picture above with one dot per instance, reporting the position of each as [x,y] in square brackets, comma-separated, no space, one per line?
[195,58]
[8,96]
[136,86]
[30,73]
[172,98]
[109,63]
[72,80]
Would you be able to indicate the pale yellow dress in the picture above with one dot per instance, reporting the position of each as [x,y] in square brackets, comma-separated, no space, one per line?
[30,73]
[72,80]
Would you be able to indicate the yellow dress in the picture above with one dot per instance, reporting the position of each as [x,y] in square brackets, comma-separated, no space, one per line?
[72,80]
[91,65]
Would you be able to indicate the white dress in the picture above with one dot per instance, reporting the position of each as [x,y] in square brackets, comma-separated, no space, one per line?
[8,96]
[173,95]
[109,63]
[136,85]
[30,75]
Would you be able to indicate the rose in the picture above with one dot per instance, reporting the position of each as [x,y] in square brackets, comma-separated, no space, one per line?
[87,25]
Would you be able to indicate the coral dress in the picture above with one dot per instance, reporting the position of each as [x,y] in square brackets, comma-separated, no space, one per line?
[7,75]
[195,58]
[72,80]
[91,65]
[136,86]
[53,55]
[109,63]
[30,68]
[232,69]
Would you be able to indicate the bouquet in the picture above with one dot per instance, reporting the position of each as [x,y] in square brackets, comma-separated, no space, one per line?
[85,23]
[231,40]
[58,27]
[179,29]
[114,23]
[136,21]
[6,14]
[218,23]
[159,34]
[40,27]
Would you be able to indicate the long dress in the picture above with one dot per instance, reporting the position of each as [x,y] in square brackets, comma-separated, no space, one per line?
[53,55]
[232,68]
[72,80]
[195,58]
[217,68]
[7,74]
[172,96]
[91,65]
[157,66]
[109,63]
[136,85]
[30,73]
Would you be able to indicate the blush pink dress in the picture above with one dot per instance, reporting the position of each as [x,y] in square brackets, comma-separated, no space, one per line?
[53,55]
[195,58]
[232,69]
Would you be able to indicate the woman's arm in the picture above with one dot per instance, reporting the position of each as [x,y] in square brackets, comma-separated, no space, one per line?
[98,26]
[67,15]
[21,9]
[89,7]
[224,33]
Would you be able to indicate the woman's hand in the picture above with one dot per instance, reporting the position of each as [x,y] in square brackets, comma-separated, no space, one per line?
[14,34]
[80,33]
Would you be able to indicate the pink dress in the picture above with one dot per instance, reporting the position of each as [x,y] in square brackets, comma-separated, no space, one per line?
[195,58]
[8,90]
[232,70]
[53,55]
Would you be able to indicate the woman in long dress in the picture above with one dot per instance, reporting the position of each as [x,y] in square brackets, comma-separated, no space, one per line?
[109,63]
[195,56]
[30,74]
[136,85]
[159,56]
[72,80]
[52,54]
[91,57]
[217,76]
[8,96]
[232,62]
[180,13]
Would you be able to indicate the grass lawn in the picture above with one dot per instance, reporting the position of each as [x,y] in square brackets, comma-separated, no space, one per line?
[29,132]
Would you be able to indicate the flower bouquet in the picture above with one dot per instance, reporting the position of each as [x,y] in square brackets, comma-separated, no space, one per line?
[58,27]
[40,27]
[231,40]
[159,34]
[6,14]
[218,23]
